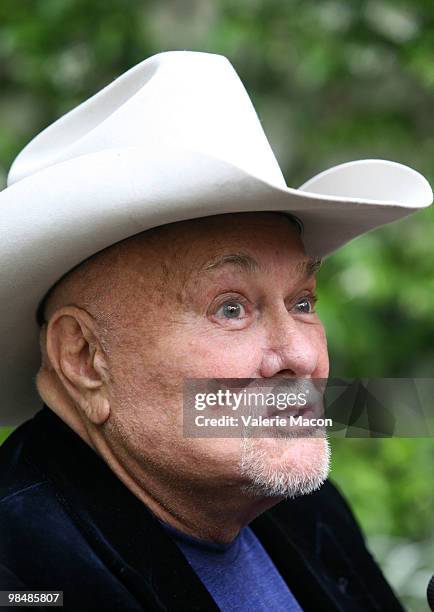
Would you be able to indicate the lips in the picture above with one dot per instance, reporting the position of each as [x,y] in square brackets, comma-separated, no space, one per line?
[310,411]
[293,411]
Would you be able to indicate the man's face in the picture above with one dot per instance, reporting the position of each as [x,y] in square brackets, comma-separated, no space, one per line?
[221,297]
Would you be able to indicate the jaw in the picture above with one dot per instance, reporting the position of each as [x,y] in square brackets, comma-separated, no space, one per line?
[286,467]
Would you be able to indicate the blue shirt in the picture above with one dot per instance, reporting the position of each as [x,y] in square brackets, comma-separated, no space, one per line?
[240,576]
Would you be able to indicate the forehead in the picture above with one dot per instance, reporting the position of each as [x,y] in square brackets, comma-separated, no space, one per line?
[213,236]
[240,243]
[240,239]
[164,257]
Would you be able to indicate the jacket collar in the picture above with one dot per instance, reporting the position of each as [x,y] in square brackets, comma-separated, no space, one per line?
[123,531]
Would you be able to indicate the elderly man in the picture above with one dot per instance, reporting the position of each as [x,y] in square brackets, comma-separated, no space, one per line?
[158,226]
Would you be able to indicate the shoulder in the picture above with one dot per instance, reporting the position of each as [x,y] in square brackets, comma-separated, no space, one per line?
[48,540]
[39,534]
[25,491]
[29,504]
[16,473]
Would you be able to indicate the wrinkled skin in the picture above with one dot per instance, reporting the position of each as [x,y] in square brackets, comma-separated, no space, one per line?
[225,297]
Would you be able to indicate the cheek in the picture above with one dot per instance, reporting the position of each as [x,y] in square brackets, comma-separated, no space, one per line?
[226,355]
[319,339]
[231,355]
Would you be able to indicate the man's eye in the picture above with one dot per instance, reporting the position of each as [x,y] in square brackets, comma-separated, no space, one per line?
[307,304]
[231,310]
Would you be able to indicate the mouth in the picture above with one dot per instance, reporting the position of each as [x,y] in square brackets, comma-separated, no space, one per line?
[307,412]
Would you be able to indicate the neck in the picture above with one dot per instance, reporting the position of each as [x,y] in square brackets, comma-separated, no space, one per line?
[208,509]
[212,511]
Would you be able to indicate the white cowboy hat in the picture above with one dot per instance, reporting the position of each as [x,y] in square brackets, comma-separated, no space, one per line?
[174,138]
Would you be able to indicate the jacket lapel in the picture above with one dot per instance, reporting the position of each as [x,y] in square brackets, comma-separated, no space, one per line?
[119,527]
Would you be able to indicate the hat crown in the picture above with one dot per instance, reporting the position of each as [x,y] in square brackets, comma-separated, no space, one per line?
[177,99]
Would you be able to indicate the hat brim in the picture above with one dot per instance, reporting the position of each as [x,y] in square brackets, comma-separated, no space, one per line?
[60,216]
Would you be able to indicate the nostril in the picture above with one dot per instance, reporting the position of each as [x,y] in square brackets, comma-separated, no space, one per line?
[285,374]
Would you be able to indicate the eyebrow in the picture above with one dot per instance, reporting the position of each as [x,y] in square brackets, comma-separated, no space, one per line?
[241,260]
[307,267]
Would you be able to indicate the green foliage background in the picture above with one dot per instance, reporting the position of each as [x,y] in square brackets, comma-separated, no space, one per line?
[332,81]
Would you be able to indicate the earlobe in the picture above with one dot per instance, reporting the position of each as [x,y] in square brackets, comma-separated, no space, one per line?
[97,409]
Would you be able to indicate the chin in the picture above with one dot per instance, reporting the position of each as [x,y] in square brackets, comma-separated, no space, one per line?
[284,467]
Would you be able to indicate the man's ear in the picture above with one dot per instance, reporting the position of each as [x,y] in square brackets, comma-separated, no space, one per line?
[77,356]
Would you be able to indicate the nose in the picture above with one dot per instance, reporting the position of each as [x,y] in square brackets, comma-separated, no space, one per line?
[293,349]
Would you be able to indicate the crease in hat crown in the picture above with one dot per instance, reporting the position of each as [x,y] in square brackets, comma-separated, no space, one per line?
[175,99]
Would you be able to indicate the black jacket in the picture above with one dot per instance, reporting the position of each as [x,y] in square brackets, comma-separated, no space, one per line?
[68,523]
